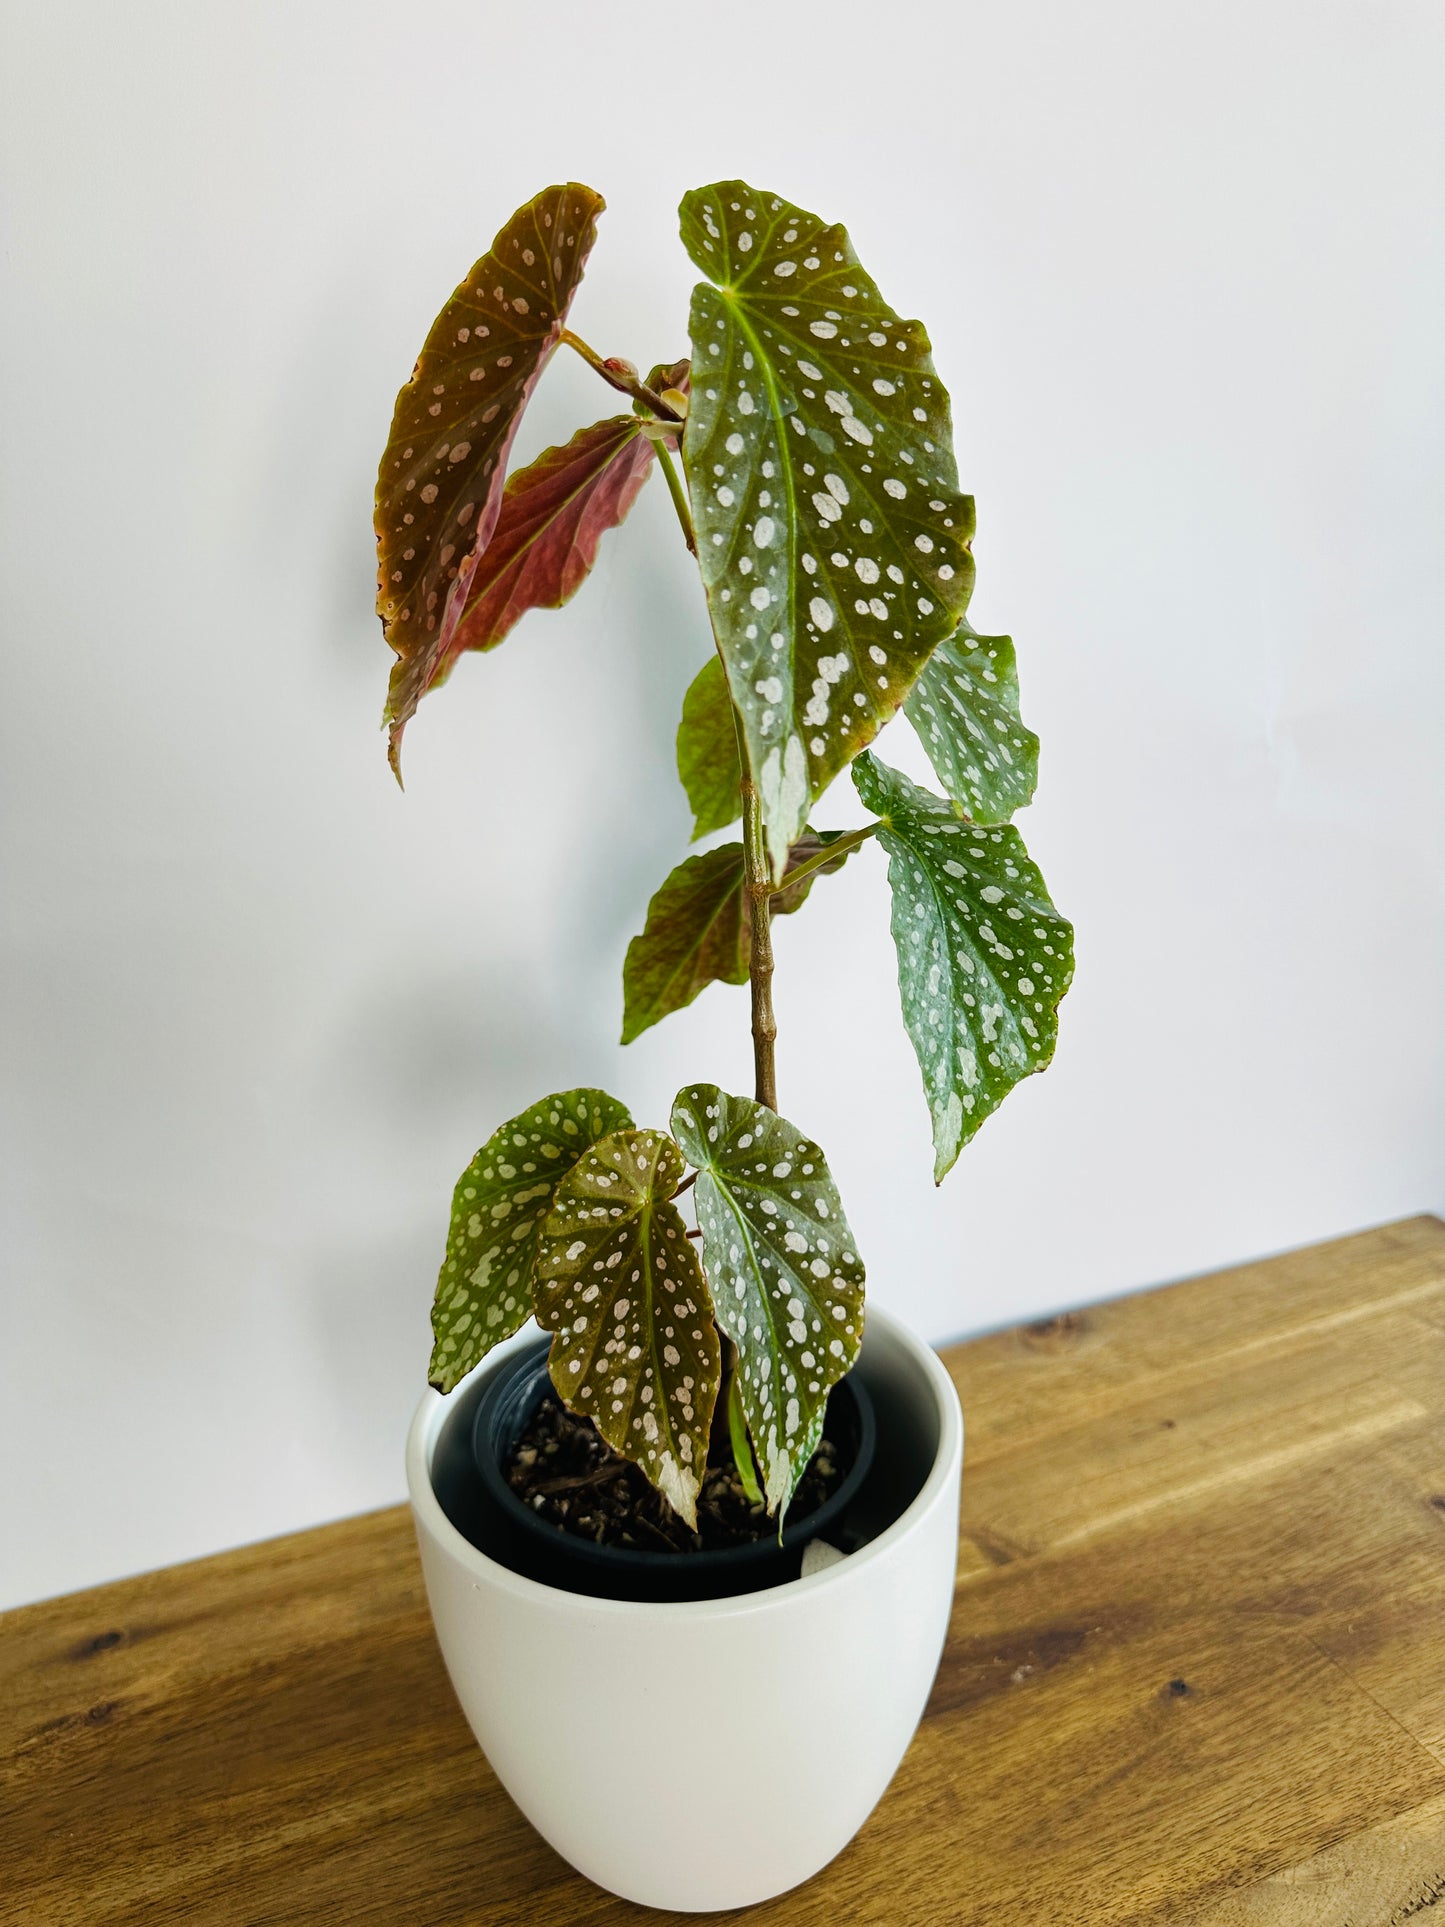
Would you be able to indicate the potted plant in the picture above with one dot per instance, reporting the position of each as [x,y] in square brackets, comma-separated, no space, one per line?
[690,1555]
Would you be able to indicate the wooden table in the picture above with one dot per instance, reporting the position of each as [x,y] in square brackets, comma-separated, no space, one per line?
[1196,1673]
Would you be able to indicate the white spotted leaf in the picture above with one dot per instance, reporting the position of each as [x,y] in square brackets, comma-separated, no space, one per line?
[501,1202]
[707,751]
[786,1278]
[983,956]
[699,928]
[832,537]
[620,1285]
[965,707]
[439,489]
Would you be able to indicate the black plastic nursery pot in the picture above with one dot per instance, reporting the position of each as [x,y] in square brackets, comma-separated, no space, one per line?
[500,1524]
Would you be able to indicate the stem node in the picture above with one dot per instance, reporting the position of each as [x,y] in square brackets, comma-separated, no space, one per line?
[621,374]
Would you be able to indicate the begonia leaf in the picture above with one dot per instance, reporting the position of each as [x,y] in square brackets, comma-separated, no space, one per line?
[439,489]
[554,513]
[619,1283]
[965,707]
[983,956]
[833,540]
[785,1275]
[484,1290]
[707,751]
[699,929]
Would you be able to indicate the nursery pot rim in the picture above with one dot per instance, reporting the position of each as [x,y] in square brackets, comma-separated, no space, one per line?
[718,1561]
[431,1413]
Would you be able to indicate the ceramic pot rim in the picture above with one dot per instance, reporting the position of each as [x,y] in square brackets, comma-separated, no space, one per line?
[431,1413]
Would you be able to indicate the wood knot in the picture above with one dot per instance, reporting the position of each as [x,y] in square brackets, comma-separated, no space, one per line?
[101,1643]
[1437,1499]
[1177,1689]
[1055,1334]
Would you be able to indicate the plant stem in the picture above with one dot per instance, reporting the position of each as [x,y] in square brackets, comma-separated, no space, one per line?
[758,883]
[758,876]
[675,490]
[840,846]
[621,375]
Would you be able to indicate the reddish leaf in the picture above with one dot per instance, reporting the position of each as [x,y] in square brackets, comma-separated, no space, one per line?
[439,491]
[554,514]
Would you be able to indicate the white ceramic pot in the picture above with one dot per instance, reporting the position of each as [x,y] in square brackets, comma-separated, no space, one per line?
[711,1753]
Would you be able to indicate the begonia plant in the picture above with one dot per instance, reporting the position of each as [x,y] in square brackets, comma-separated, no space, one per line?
[807,444]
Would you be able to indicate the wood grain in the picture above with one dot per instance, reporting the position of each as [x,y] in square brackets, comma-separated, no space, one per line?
[1195,1678]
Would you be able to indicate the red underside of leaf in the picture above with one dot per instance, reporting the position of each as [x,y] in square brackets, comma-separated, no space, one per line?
[439,491]
[552,518]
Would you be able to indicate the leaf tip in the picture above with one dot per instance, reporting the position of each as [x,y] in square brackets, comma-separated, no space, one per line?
[680,1489]
[949,1137]
[394,728]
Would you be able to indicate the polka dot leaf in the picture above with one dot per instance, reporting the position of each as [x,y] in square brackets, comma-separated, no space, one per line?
[484,1291]
[983,956]
[833,540]
[554,513]
[965,707]
[786,1278]
[699,929]
[707,751]
[439,490]
[620,1285]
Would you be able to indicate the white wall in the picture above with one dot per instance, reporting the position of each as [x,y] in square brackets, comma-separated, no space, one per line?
[1183,273]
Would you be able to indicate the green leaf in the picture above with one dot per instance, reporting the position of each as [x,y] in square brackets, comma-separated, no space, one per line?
[620,1285]
[787,1281]
[484,1290]
[833,541]
[699,929]
[554,514]
[707,751]
[439,490]
[742,1446]
[696,934]
[965,707]
[983,956]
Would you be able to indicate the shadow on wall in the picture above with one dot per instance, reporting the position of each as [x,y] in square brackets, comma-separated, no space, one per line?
[514,990]
[421,1079]
[367,1309]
